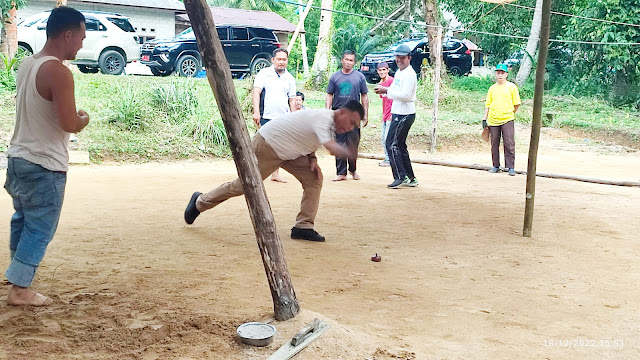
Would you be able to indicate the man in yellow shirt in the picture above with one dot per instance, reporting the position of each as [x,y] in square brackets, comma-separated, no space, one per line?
[503,101]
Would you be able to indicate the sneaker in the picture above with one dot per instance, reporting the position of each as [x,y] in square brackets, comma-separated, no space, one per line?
[397,183]
[494,170]
[512,172]
[411,182]
[384,163]
[191,212]
[306,234]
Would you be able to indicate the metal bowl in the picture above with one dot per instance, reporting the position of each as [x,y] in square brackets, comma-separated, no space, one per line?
[256,333]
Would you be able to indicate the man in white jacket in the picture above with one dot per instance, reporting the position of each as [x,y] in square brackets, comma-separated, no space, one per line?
[403,113]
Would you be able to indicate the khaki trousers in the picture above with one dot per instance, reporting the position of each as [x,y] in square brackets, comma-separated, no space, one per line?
[268,162]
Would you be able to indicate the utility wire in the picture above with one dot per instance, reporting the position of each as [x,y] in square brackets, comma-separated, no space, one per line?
[577,16]
[456,30]
[485,14]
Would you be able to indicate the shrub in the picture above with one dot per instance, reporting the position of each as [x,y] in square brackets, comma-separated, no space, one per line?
[206,129]
[8,72]
[127,108]
[178,99]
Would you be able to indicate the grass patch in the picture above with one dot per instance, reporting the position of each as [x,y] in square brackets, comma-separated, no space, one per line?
[137,118]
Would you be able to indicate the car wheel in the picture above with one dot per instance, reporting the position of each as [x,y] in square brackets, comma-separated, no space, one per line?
[372,79]
[88,69]
[111,62]
[259,64]
[454,70]
[160,72]
[188,66]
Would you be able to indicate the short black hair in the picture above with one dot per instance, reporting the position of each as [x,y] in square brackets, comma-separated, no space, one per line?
[355,106]
[299,93]
[62,19]
[348,52]
[277,50]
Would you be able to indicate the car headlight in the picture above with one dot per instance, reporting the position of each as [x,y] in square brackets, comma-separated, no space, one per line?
[167,47]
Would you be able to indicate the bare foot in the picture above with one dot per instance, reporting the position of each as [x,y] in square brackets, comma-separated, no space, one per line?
[340,178]
[355,176]
[19,296]
[277,178]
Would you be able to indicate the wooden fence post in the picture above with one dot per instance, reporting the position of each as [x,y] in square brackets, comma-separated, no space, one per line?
[285,303]
[436,86]
[536,123]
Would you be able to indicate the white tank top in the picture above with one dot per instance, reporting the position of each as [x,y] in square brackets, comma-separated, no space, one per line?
[37,137]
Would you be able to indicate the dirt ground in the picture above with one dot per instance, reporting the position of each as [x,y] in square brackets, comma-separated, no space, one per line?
[457,280]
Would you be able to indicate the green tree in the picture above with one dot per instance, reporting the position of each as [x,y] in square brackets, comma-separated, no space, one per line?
[8,33]
[611,70]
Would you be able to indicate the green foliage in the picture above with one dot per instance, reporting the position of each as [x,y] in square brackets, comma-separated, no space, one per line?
[127,108]
[6,5]
[178,98]
[9,67]
[354,33]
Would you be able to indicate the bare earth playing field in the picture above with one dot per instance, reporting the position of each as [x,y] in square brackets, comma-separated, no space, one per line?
[457,280]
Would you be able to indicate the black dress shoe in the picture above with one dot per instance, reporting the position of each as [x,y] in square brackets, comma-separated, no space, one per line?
[306,234]
[191,212]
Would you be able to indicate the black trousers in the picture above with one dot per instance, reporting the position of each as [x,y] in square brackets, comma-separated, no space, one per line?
[397,146]
[351,140]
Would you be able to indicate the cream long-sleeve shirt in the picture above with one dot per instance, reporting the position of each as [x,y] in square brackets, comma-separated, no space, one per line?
[403,92]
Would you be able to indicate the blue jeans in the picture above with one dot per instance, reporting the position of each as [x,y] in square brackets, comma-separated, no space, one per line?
[397,146]
[37,195]
[383,136]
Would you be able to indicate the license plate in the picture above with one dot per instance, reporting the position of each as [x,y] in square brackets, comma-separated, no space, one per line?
[145,57]
[364,68]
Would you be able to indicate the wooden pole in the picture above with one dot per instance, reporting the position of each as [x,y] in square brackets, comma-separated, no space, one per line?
[537,118]
[285,303]
[303,43]
[299,27]
[436,86]
[486,167]
[305,59]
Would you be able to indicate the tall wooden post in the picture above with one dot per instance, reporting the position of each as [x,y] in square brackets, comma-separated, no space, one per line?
[285,303]
[536,123]
[299,26]
[437,50]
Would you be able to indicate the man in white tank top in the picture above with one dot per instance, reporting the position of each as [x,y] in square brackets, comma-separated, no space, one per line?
[38,158]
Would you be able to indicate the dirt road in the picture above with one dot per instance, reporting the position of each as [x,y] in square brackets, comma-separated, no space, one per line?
[457,280]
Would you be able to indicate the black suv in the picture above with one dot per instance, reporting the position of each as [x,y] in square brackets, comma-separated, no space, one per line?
[248,49]
[457,58]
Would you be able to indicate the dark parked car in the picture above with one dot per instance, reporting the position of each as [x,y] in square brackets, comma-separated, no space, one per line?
[457,58]
[248,49]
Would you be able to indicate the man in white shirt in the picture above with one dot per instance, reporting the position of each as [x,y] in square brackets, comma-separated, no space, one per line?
[403,111]
[290,142]
[274,93]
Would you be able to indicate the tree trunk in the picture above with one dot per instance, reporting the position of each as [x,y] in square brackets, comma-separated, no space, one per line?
[407,17]
[526,65]
[436,88]
[285,303]
[431,19]
[9,35]
[323,51]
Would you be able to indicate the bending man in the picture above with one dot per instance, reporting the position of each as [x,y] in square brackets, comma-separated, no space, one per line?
[290,142]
